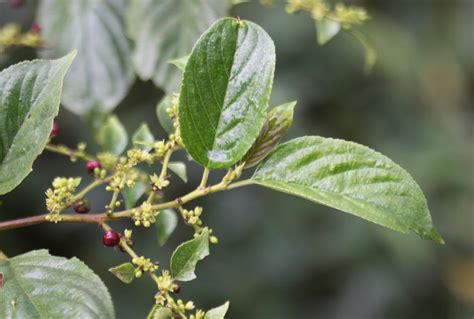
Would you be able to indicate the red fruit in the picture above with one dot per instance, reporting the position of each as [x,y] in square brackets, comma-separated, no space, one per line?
[82,207]
[111,238]
[176,288]
[35,27]
[16,3]
[54,130]
[92,165]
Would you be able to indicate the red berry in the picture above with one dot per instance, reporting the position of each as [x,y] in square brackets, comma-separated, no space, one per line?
[92,165]
[82,207]
[176,288]
[16,3]
[35,27]
[54,130]
[111,238]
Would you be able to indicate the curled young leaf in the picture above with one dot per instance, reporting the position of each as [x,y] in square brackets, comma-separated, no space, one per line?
[38,285]
[124,272]
[187,255]
[112,136]
[349,177]
[143,138]
[225,91]
[30,93]
[279,120]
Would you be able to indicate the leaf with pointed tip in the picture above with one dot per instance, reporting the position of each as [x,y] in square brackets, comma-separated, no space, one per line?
[45,286]
[159,312]
[180,63]
[124,272]
[143,138]
[165,224]
[30,93]
[225,91]
[112,136]
[179,168]
[349,177]
[166,29]
[187,255]
[326,30]
[278,121]
[218,312]
[103,72]
[165,120]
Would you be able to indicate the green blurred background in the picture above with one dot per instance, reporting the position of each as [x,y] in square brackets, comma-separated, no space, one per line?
[284,257]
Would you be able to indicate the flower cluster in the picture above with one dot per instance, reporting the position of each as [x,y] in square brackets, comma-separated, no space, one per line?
[60,196]
[142,265]
[11,35]
[172,112]
[320,9]
[192,217]
[158,182]
[145,215]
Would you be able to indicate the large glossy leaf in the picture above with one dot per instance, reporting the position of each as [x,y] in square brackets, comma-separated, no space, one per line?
[225,91]
[349,177]
[187,255]
[38,285]
[30,93]
[103,71]
[165,30]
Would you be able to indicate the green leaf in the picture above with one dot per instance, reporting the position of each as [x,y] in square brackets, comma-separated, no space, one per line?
[132,194]
[225,91]
[180,63]
[186,256]
[369,50]
[166,29]
[179,168]
[112,136]
[38,285]
[102,73]
[349,177]
[218,312]
[326,30]
[159,312]
[30,93]
[165,120]
[124,272]
[143,138]
[279,120]
[165,224]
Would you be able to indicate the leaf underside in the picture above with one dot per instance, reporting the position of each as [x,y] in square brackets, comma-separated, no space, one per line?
[349,177]
[102,73]
[165,30]
[187,255]
[29,100]
[225,91]
[38,285]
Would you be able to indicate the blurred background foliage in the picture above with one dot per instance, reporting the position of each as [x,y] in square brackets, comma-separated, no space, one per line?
[284,257]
